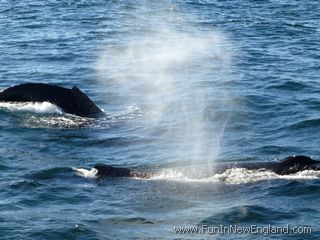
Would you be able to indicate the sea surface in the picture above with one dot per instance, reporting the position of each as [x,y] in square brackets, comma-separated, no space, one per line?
[185,85]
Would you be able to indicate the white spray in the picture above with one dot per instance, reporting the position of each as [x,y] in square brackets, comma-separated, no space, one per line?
[174,70]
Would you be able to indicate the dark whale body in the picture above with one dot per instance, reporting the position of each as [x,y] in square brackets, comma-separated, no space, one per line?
[72,101]
[289,165]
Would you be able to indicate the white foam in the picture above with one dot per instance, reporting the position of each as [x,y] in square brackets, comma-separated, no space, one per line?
[60,121]
[170,174]
[86,173]
[36,107]
[236,176]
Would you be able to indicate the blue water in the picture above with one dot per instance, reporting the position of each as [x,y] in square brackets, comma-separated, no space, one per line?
[184,85]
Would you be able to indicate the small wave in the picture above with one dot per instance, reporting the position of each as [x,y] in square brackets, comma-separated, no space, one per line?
[128,220]
[237,176]
[51,173]
[289,86]
[310,123]
[36,107]
[24,184]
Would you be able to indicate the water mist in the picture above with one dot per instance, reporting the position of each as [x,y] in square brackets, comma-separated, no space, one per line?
[177,73]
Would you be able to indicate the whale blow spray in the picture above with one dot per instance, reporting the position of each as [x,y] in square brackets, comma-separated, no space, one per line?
[176,71]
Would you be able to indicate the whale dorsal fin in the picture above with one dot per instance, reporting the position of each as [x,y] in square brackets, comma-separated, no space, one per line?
[298,160]
[75,89]
[84,103]
[72,101]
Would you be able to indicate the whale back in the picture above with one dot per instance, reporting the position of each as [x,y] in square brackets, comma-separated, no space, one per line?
[295,164]
[108,171]
[288,165]
[298,160]
[72,101]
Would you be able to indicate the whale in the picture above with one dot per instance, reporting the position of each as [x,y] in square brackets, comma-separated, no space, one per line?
[286,166]
[72,101]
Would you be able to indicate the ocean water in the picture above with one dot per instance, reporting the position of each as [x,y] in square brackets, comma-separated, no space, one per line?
[184,85]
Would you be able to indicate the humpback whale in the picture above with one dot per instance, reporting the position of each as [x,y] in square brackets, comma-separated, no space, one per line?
[72,101]
[289,165]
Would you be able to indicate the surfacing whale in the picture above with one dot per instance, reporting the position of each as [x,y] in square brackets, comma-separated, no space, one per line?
[289,165]
[72,101]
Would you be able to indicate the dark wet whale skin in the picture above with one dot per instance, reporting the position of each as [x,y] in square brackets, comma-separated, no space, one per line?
[289,165]
[72,101]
